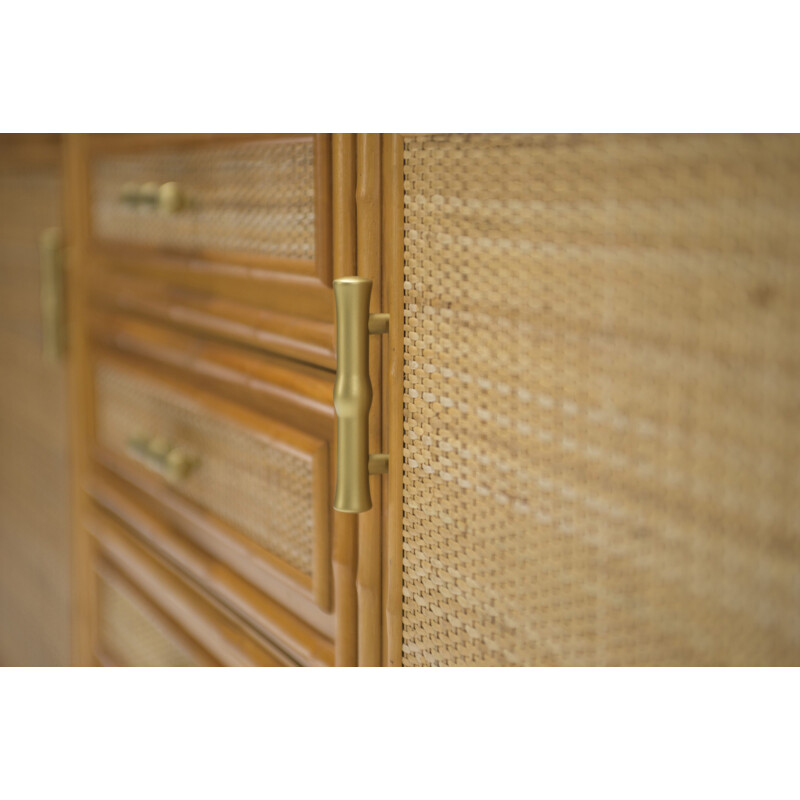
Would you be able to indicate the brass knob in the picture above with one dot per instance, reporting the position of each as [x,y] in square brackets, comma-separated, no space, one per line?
[178,464]
[166,199]
[162,456]
[148,194]
[158,447]
[170,198]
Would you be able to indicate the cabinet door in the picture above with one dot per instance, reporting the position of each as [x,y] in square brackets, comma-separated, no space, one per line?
[34,490]
[593,393]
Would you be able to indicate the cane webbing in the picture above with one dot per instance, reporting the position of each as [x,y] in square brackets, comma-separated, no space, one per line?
[133,635]
[602,400]
[255,197]
[248,480]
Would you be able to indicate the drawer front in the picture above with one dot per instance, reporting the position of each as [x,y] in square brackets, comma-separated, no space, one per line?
[132,633]
[220,199]
[266,482]
[147,614]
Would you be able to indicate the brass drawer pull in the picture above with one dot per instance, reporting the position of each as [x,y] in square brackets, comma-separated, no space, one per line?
[162,456]
[352,394]
[167,198]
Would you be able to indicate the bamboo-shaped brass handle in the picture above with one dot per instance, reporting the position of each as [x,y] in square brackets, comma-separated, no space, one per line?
[352,394]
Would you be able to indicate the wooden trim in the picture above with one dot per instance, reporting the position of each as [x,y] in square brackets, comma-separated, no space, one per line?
[322,566]
[109,573]
[304,340]
[323,208]
[344,204]
[76,226]
[393,417]
[231,541]
[299,396]
[132,253]
[274,291]
[368,217]
[31,149]
[345,540]
[228,592]
[126,142]
[194,617]
[125,491]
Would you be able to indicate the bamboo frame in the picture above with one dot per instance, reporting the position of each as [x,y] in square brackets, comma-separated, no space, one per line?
[392,215]
[345,540]
[368,215]
[76,226]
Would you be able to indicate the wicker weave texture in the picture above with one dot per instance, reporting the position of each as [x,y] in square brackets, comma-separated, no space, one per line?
[132,635]
[252,197]
[248,480]
[602,400]
[34,436]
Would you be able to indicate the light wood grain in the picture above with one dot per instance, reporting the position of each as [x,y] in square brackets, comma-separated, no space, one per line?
[393,394]
[76,204]
[294,394]
[345,528]
[208,314]
[368,216]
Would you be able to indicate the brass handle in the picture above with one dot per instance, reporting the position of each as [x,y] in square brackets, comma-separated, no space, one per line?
[162,456]
[352,394]
[51,264]
[167,198]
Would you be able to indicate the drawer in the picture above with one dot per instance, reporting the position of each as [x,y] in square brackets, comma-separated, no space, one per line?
[148,615]
[228,236]
[261,486]
[134,631]
[261,201]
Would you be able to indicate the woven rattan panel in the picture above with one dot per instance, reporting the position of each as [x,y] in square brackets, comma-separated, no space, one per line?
[132,634]
[248,480]
[255,197]
[602,400]
[34,457]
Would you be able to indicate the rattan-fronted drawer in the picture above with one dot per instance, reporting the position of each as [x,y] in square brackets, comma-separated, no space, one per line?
[259,200]
[132,633]
[261,483]
[148,615]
